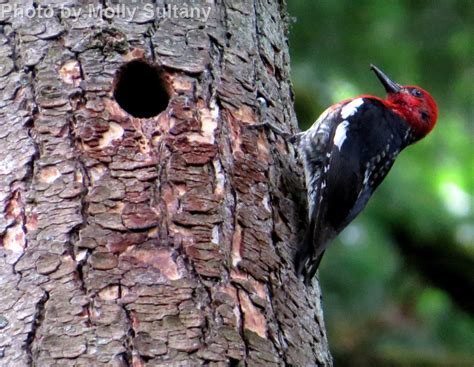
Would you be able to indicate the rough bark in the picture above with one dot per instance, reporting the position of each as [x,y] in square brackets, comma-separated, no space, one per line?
[151,241]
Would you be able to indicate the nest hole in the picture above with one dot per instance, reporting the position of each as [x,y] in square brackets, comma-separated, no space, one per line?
[140,89]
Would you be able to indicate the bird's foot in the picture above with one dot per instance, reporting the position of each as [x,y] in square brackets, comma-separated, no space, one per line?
[276,129]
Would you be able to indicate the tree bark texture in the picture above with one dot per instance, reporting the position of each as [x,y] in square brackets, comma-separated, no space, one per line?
[162,241]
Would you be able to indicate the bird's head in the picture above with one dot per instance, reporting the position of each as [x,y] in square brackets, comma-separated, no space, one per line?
[413,103]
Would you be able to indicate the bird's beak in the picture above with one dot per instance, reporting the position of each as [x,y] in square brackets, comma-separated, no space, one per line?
[390,85]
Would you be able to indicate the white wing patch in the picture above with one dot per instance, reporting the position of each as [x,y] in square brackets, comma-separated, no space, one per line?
[351,108]
[340,134]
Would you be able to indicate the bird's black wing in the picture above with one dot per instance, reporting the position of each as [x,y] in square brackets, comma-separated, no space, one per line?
[315,146]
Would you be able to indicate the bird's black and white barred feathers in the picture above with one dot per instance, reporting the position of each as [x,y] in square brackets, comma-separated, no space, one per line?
[346,154]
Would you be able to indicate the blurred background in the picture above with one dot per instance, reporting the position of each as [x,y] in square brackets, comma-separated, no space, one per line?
[398,284]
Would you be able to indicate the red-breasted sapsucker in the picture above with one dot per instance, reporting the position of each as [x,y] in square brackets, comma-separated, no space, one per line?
[348,152]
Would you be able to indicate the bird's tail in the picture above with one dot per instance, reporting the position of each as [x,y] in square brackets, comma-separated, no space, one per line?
[309,255]
[307,264]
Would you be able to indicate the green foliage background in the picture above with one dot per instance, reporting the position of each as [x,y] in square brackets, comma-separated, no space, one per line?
[380,310]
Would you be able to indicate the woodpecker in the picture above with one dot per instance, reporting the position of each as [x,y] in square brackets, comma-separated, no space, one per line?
[347,153]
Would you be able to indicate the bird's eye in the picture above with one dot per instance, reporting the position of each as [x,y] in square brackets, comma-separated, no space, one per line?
[416,92]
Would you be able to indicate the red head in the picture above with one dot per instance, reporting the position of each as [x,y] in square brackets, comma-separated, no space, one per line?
[414,104]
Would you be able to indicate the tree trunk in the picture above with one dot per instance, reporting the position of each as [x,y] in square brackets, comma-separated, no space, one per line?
[162,236]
